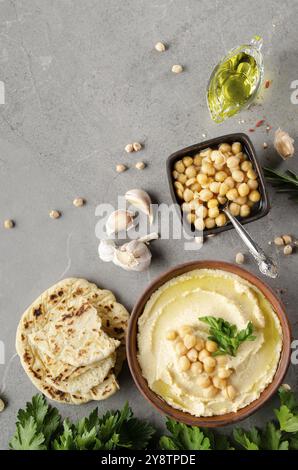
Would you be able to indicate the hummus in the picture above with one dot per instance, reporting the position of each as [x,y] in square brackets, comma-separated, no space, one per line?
[182,301]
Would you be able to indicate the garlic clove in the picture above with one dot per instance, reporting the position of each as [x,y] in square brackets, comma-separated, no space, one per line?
[106,250]
[283,144]
[148,238]
[140,199]
[118,221]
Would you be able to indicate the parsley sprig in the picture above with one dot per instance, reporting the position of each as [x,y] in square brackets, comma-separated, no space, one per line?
[227,335]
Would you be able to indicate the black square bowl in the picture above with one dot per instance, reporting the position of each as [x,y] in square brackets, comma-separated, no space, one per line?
[258,211]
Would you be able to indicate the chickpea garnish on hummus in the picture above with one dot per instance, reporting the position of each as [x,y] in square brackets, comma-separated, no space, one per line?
[209,342]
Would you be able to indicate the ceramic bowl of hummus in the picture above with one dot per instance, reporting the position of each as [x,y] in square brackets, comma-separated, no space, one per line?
[208,343]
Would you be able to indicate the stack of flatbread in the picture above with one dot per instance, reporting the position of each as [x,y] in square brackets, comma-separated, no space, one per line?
[71,342]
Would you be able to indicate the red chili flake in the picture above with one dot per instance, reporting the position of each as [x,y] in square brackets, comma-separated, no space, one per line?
[267,83]
[260,123]
[251,130]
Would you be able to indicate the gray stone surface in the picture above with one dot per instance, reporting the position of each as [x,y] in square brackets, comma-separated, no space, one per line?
[82,79]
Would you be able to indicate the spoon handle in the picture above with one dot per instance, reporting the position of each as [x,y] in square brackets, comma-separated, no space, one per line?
[266,265]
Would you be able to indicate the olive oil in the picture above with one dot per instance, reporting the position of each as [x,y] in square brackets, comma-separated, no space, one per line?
[234,82]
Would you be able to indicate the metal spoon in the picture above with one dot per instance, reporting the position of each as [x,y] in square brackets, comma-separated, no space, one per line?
[266,265]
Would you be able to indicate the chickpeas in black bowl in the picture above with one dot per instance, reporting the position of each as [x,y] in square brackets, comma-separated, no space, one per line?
[205,177]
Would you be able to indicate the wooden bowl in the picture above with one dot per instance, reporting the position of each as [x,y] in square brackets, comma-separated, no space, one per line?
[182,416]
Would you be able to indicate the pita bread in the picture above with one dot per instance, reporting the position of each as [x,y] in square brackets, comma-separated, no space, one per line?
[55,362]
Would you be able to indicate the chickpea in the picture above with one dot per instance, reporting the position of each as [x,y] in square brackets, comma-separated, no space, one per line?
[221,220]
[241,200]
[238,176]
[213,212]
[191,171]
[179,193]
[211,392]
[219,160]
[197,160]
[233,162]
[214,186]
[244,210]
[179,166]
[208,169]
[219,383]
[187,161]
[221,199]
[209,362]
[196,368]
[189,182]
[206,195]
[179,185]
[203,381]
[182,178]
[225,148]
[203,354]
[175,174]
[252,184]
[199,224]
[212,203]
[251,174]
[250,204]
[234,209]
[211,346]
[232,194]
[246,165]
[188,195]
[185,330]
[171,335]
[209,222]
[180,348]
[224,188]
[220,176]
[206,153]
[191,218]
[189,341]
[185,207]
[194,204]
[230,182]
[230,392]
[236,148]
[200,344]
[221,360]
[196,187]
[254,196]
[243,189]
[224,373]
[209,181]
[183,363]
[192,355]
[202,179]
[202,212]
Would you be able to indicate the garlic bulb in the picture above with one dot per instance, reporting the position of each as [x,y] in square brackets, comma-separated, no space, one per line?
[283,143]
[118,221]
[133,256]
[106,250]
[140,199]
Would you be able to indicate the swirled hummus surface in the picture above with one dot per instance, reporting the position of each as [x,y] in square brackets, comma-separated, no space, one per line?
[182,301]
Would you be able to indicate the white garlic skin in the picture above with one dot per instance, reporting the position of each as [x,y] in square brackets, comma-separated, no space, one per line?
[140,199]
[106,250]
[118,221]
[283,144]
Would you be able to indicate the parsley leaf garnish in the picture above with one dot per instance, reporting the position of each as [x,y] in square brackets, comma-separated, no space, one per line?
[226,335]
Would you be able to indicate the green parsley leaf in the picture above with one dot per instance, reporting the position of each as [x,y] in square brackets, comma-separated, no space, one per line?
[287,420]
[184,438]
[27,437]
[250,440]
[226,335]
[272,438]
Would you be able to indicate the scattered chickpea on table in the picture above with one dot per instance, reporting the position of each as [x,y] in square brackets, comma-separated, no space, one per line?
[213,178]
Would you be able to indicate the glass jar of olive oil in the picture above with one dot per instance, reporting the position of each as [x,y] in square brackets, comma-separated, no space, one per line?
[235,81]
